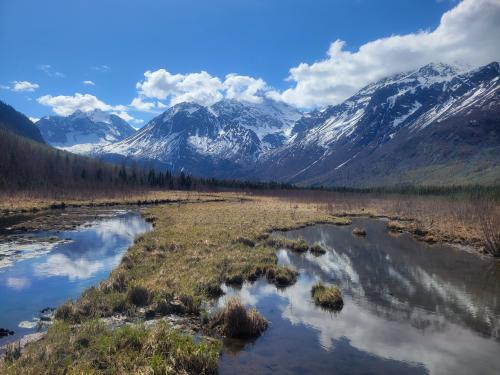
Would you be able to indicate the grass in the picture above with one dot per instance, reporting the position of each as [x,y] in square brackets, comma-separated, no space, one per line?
[329,297]
[94,349]
[24,203]
[192,251]
[317,249]
[237,322]
[359,232]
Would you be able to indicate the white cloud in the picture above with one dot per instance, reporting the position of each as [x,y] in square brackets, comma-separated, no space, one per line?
[141,105]
[468,34]
[88,83]
[244,88]
[200,87]
[24,86]
[66,105]
[49,70]
[34,119]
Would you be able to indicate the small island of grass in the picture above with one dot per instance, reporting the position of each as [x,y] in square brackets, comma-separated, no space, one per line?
[328,297]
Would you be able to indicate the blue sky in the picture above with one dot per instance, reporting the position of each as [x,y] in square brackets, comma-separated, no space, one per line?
[50,47]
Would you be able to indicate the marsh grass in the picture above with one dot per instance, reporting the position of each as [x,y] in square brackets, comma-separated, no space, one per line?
[317,250]
[235,321]
[94,349]
[359,232]
[328,297]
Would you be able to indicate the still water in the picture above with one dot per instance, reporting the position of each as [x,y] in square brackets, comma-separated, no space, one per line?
[409,308]
[41,274]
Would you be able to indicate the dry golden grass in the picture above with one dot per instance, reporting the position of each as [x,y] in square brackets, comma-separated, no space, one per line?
[430,218]
[237,322]
[193,249]
[20,203]
[328,297]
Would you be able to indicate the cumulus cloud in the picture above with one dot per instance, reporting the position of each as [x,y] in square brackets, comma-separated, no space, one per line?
[140,105]
[24,86]
[467,34]
[244,88]
[64,105]
[199,87]
[89,83]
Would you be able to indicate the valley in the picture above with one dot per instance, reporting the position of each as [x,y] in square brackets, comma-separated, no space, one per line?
[250,187]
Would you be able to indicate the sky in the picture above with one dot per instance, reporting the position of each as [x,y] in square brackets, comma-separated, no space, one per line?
[136,58]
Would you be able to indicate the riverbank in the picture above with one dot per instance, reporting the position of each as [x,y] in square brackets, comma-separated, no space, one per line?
[178,268]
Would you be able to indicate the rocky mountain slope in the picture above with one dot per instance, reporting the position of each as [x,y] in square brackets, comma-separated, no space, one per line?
[83,132]
[221,140]
[436,125]
[439,124]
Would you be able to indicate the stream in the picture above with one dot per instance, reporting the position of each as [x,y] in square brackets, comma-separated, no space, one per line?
[40,270]
[409,307]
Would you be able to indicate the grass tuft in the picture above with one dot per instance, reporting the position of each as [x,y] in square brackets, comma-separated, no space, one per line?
[359,232]
[329,297]
[237,322]
[317,249]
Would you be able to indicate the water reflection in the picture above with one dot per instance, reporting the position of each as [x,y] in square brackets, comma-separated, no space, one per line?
[409,307]
[51,273]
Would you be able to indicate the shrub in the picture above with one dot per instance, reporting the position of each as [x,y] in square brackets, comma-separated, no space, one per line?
[489,221]
[138,296]
[237,322]
[329,297]
[395,226]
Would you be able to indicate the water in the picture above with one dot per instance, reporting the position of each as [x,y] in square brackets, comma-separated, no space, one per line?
[46,274]
[409,308]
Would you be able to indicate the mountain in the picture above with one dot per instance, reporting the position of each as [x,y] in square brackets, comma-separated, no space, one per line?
[220,140]
[82,132]
[439,124]
[436,125]
[17,123]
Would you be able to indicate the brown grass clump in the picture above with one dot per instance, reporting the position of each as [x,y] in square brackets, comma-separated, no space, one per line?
[317,249]
[395,226]
[329,297]
[237,322]
[281,276]
[359,232]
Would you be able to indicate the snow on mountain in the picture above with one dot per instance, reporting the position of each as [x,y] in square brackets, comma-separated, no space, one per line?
[381,113]
[195,137]
[432,106]
[83,132]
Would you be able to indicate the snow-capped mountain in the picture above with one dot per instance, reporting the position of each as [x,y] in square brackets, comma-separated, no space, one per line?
[438,124]
[397,130]
[218,140]
[83,132]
